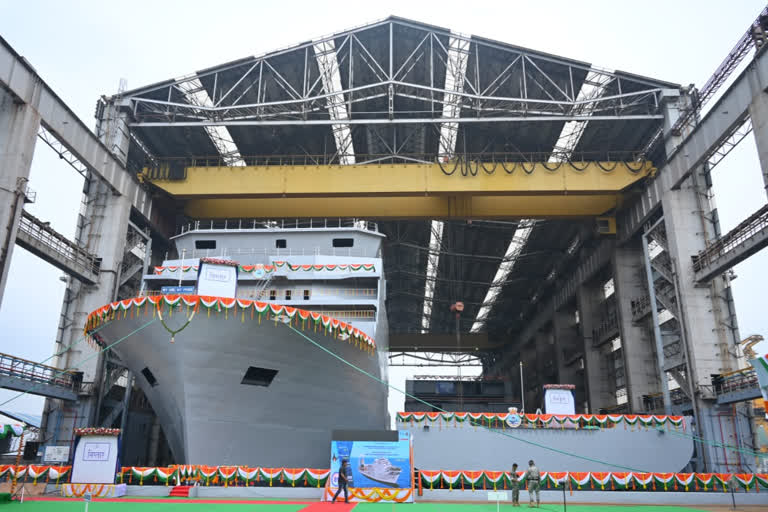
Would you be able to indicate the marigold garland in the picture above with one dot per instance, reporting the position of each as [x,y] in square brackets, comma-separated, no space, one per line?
[276,312]
[97,431]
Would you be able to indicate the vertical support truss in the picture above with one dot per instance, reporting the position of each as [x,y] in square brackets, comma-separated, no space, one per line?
[197,96]
[328,63]
[661,309]
[455,74]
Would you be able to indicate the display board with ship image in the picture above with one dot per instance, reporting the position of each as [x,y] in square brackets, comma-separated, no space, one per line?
[375,463]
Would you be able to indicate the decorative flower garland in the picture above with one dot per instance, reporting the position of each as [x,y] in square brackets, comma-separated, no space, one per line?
[268,269]
[97,431]
[217,261]
[603,481]
[492,419]
[230,307]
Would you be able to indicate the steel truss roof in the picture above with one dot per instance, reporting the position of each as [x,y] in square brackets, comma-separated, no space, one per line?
[382,89]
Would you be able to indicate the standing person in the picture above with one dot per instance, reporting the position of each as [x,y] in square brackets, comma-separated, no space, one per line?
[515,484]
[343,481]
[533,477]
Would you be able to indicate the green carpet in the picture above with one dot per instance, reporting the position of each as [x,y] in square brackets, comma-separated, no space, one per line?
[491,507]
[131,506]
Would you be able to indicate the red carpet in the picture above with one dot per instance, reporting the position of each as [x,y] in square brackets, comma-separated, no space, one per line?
[328,506]
[180,491]
[341,506]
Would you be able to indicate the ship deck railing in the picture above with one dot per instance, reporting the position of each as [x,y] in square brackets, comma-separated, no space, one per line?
[265,254]
[301,293]
[297,294]
[278,224]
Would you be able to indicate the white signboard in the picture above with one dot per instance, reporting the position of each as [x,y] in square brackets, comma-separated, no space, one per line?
[498,496]
[56,454]
[96,451]
[559,401]
[217,281]
[95,460]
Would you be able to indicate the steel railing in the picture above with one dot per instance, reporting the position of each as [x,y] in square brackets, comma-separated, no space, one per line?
[31,371]
[175,168]
[266,254]
[41,234]
[756,222]
[277,224]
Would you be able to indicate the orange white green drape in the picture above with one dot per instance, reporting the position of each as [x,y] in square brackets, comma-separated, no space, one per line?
[268,269]
[230,308]
[36,474]
[10,429]
[226,475]
[494,419]
[604,481]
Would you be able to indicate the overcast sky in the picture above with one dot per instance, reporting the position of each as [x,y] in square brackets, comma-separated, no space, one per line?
[83,48]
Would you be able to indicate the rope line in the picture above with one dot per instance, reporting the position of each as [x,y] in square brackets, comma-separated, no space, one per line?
[83,361]
[533,443]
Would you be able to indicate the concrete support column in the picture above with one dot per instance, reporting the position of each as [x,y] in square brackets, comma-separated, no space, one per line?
[706,335]
[566,343]
[638,346]
[19,124]
[758,111]
[600,391]
[102,230]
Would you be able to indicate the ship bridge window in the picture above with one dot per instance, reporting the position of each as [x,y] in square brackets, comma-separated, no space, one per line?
[272,294]
[205,244]
[287,294]
[343,242]
[148,375]
[306,294]
[255,376]
[281,243]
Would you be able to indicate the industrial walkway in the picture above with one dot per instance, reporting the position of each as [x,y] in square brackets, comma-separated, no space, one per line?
[37,379]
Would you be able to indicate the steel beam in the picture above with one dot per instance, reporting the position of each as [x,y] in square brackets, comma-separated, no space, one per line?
[416,342]
[400,180]
[37,388]
[453,206]
[715,131]
[23,82]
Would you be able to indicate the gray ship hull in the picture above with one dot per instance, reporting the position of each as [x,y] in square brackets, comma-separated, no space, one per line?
[209,417]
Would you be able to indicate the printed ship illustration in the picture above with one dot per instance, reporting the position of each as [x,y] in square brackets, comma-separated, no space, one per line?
[381,470]
[256,375]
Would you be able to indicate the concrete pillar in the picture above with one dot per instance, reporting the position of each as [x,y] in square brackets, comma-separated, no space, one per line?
[707,339]
[19,124]
[600,392]
[102,230]
[758,111]
[638,346]
[566,344]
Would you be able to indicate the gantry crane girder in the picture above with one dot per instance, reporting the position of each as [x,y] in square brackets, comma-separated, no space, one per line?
[396,190]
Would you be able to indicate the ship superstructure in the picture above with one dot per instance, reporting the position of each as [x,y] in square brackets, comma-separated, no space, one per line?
[265,381]
[380,470]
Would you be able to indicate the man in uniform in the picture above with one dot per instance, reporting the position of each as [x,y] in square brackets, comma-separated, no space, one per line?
[515,480]
[533,478]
